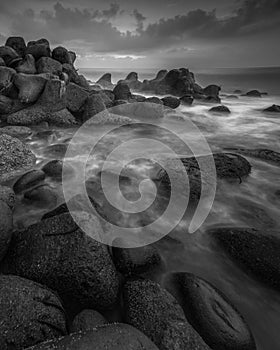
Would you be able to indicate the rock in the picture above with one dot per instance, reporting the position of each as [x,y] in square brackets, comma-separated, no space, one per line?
[273,109]
[87,320]
[237,92]
[57,150]
[6,80]
[212,90]
[71,72]
[48,65]
[220,109]
[232,97]
[53,97]
[30,314]
[106,99]
[138,98]
[187,100]
[30,86]
[111,337]
[155,100]
[62,118]
[119,102]
[73,56]
[132,81]
[43,195]
[253,93]
[57,253]
[62,55]
[54,169]
[206,99]
[18,44]
[105,118]
[7,196]
[155,312]
[16,131]
[263,154]
[171,102]
[256,252]
[9,106]
[76,97]
[210,313]
[15,157]
[94,104]
[106,81]
[83,82]
[2,62]
[29,116]
[9,55]
[6,227]
[27,65]
[29,180]
[122,92]
[39,48]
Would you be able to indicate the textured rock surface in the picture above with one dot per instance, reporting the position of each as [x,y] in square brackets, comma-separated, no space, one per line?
[6,226]
[27,65]
[220,109]
[7,196]
[87,320]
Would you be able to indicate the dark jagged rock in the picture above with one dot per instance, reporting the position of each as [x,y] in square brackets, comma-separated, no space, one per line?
[9,55]
[106,81]
[30,86]
[155,100]
[28,116]
[57,253]
[171,102]
[273,109]
[111,337]
[210,313]
[256,252]
[53,97]
[155,312]
[87,320]
[122,92]
[132,81]
[253,93]
[71,72]
[6,226]
[27,65]
[187,100]
[138,98]
[15,157]
[61,118]
[73,56]
[83,82]
[39,48]
[43,196]
[28,180]
[62,55]
[7,196]
[263,154]
[212,90]
[107,99]
[18,44]
[16,131]
[94,104]
[9,106]
[76,97]
[220,109]
[30,314]
[55,168]
[6,80]
[149,85]
[48,65]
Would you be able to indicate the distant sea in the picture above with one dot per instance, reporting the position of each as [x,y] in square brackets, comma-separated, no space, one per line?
[264,79]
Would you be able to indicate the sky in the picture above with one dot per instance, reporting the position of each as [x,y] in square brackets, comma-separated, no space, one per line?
[152,33]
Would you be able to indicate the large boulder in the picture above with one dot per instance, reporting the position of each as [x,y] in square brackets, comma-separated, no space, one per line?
[106,81]
[20,132]
[94,104]
[39,48]
[73,75]
[28,116]
[149,85]
[48,65]
[30,86]
[110,337]
[6,80]
[8,105]
[186,100]
[9,55]
[57,253]
[62,55]
[15,157]
[76,97]
[171,102]
[132,81]
[256,252]
[30,314]
[53,97]
[6,227]
[28,180]
[27,65]
[155,312]
[43,196]
[210,313]
[273,109]
[212,90]
[122,92]
[18,44]
[62,118]
[87,320]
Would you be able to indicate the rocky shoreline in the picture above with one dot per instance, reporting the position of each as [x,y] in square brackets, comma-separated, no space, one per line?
[60,288]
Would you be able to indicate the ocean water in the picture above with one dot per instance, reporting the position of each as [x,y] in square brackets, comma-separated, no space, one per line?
[254,202]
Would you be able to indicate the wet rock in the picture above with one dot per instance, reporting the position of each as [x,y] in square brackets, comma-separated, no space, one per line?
[7,196]
[155,312]
[256,252]
[209,312]
[111,337]
[39,48]
[30,87]
[57,253]
[122,92]
[62,55]
[6,80]
[253,93]
[87,320]
[53,97]
[62,118]
[149,85]
[273,109]
[263,154]
[16,131]
[30,314]
[94,104]
[75,97]
[6,227]
[57,150]
[155,100]
[71,72]
[138,98]
[132,81]
[55,167]
[212,90]
[18,44]
[28,116]
[171,102]
[15,157]
[9,55]
[28,180]
[220,109]
[106,81]
[27,65]
[187,100]
[48,65]
[137,261]
[9,106]
[61,209]
[43,195]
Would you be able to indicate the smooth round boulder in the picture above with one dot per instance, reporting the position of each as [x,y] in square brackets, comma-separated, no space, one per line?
[87,320]
[209,312]
[187,100]
[39,48]
[111,337]
[29,180]
[9,55]
[7,196]
[59,254]
[43,196]
[48,65]
[30,87]
[30,314]
[220,109]
[155,312]
[6,227]
[122,92]
[273,109]
[61,55]
[171,102]
[256,252]
[27,65]
[18,44]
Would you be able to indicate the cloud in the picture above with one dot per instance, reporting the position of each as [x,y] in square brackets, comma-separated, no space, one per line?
[140,19]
